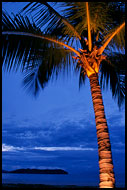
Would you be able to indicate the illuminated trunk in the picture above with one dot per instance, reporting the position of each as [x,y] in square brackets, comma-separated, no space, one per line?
[107,179]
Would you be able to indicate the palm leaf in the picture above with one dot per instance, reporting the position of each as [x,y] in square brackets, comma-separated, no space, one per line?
[82,77]
[24,50]
[17,50]
[28,52]
[113,73]
[76,13]
[117,12]
[47,67]
[115,37]
[47,17]
[103,18]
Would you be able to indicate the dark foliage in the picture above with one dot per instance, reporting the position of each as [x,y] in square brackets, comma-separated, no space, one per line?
[40,59]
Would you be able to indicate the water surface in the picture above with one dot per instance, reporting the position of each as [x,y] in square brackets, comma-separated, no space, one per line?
[50,179]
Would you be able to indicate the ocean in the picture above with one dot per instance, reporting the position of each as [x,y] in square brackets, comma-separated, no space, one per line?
[56,179]
[48,179]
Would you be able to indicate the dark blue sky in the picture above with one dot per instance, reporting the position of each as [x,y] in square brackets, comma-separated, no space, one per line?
[57,129]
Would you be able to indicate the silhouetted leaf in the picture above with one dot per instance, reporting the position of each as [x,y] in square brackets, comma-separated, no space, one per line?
[113,73]
[41,59]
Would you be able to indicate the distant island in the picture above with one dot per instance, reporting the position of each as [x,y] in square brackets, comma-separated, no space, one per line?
[36,171]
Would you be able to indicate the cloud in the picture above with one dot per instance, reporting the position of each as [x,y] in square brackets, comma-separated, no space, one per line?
[50,134]
[6,148]
[26,135]
[67,148]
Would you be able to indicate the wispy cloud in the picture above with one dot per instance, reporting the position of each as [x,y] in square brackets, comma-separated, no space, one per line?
[6,148]
[67,148]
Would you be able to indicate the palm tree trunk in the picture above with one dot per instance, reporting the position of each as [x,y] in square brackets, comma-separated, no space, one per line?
[107,179]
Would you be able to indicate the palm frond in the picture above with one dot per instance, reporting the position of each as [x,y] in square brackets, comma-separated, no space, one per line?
[82,78]
[100,14]
[18,50]
[113,74]
[47,67]
[115,37]
[89,29]
[39,54]
[72,21]
[47,17]
[81,72]
[117,12]
[31,54]
[76,13]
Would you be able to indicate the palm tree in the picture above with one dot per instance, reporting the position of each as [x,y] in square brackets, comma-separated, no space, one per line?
[43,48]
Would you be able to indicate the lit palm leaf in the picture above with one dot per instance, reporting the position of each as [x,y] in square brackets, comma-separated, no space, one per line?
[118,41]
[75,12]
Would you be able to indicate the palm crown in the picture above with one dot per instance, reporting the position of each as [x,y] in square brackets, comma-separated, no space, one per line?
[45,46]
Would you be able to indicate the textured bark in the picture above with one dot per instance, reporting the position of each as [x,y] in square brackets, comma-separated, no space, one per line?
[107,179]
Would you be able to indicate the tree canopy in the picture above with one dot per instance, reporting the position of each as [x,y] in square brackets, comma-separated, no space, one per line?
[37,46]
